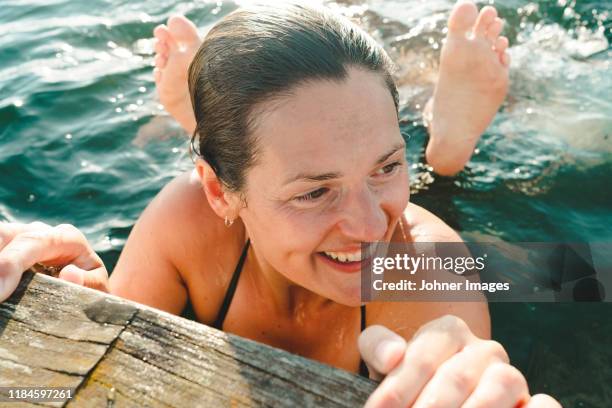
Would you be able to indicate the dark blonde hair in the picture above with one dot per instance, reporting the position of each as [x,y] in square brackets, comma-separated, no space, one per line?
[261,53]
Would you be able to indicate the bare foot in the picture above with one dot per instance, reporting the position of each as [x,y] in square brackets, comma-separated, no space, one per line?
[472,84]
[176,45]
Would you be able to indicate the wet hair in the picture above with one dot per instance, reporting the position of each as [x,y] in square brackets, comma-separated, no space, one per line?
[261,54]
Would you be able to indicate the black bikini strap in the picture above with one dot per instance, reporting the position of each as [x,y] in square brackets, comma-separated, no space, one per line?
[363,368]
[363,317]
[218,324]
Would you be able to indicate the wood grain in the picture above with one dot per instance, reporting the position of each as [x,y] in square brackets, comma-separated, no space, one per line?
[116,352]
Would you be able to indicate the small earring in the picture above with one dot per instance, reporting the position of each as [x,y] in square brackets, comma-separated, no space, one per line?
[228,222]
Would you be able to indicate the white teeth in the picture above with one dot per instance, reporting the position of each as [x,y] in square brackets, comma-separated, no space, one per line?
[345,256]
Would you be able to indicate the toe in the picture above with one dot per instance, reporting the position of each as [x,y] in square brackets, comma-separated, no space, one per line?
[160,61]
[161,47]
[157,75]
[162,34]
[505,59]
[501,44]
[462,17]
[485,19]
[494,29]
[183,30]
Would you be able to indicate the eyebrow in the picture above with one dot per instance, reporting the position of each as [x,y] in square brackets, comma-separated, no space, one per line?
[335,175]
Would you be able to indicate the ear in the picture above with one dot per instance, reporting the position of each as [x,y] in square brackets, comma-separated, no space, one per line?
[221,201]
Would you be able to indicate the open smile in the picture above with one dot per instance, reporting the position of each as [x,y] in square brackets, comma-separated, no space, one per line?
[347,262]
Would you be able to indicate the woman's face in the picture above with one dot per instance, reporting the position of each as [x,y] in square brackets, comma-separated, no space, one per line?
[330,174]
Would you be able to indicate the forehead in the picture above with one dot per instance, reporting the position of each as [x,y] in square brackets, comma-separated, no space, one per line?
[323,120]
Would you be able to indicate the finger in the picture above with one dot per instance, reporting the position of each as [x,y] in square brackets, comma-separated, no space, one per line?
[381,350]
[542,401]
[433,344]
[59,245]
[95,279]
[457,377]
[501,385]
[9,230]
[72,273]
[8,280]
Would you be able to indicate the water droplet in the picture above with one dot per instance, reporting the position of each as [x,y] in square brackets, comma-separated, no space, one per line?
[517,170]
[18,103]
[111,44]
[142,89]
[113,99]
[529,111]
[175,150]
[120,96]
[118,110]
[68,136]
[84,163]
[31,198]
[139,102]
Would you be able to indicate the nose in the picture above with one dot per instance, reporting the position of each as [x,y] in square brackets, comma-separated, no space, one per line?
[363,217]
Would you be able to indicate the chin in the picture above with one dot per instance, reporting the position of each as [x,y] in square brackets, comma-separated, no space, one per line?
[349,297]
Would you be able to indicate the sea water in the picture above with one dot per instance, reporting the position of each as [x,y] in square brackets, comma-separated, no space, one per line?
[84,141]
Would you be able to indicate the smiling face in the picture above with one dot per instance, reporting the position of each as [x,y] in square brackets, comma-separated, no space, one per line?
[330,174]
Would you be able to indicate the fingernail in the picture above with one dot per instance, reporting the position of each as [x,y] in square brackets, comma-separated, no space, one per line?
[387,349]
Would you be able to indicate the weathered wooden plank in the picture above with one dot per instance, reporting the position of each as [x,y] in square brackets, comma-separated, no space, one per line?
[119,352]
[49,336]
[36,351]
[212,368]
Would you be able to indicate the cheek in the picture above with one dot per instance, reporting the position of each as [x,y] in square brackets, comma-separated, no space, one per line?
[396,197]
[287,236]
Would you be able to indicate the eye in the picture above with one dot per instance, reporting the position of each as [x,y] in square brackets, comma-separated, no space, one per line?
[388,169]
[313,195]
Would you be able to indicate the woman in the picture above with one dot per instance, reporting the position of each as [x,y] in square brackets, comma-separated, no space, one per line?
[300,161]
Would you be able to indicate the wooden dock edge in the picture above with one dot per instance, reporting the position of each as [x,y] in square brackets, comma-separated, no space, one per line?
[115,352]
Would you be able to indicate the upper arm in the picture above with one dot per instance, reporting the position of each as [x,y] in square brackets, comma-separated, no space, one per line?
[145,272]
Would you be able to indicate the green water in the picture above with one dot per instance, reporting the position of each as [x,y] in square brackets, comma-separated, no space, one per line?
[82,140]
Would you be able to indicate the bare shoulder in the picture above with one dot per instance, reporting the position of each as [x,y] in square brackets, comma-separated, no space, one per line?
[184,192]
[198,244]
[151,267]
[405,318]
[423,226]
[193,233]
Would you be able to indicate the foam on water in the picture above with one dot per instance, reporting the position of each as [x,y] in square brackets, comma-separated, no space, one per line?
[541,172]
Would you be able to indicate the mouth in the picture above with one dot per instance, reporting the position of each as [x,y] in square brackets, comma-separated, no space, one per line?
[346,261]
